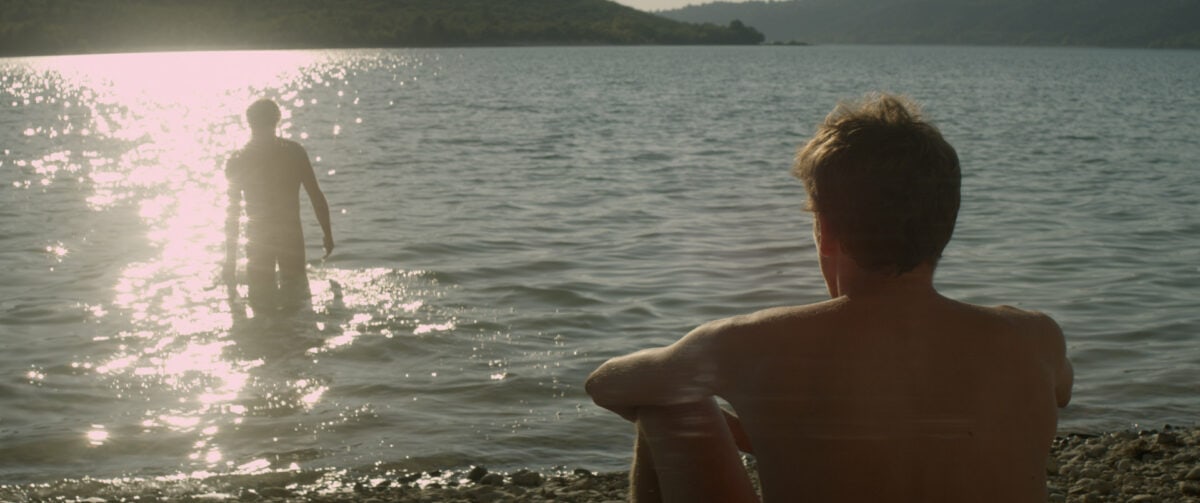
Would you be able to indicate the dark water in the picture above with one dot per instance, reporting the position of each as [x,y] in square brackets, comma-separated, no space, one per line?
[509,218]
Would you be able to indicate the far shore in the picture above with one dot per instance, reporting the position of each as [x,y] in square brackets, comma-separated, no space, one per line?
[777,43]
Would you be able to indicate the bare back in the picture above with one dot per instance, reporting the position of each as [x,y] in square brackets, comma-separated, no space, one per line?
[925,399]
[267,175]
[271,172]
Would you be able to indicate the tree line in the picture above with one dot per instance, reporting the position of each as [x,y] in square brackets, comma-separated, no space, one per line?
[32,27]
[1101,23]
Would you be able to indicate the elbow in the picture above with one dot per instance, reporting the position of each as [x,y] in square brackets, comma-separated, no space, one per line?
[1066,380]
[597,385]
[594,385]
[1062,395]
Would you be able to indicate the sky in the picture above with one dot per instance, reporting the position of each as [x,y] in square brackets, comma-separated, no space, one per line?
[653,5]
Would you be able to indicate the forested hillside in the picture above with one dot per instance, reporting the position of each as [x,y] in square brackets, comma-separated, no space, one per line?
[84,26]
[1106,23]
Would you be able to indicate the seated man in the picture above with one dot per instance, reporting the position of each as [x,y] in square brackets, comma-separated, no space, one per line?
[886,392]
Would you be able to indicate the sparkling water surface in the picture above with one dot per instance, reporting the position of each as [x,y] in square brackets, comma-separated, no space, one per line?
[507,219]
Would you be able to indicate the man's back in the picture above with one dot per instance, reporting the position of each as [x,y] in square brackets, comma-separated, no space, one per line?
[270,172]
[903,398]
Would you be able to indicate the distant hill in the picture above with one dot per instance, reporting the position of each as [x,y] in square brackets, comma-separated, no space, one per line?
[1107,23]
[88,26]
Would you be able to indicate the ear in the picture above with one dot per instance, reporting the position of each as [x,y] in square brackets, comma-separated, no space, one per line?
[827,243]
[828,251]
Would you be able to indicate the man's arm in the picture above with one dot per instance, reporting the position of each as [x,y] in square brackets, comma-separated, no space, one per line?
[233,213]
[1052,348]
[687,447]
[691,456]
[1064,373]
[684,372]
[320,205]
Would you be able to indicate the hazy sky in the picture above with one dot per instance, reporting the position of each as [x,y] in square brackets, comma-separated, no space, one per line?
[650,5]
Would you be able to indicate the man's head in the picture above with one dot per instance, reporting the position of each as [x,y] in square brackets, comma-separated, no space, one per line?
[883,182]
[263,116]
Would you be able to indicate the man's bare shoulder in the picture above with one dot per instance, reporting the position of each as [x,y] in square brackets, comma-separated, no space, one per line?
[290,144]
[786,321]
[1033,329]
[833,310]
[1021,314]
[1034,323]
[292,148]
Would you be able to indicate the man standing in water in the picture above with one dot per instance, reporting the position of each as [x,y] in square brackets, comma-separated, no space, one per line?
[886,392]
[267,174]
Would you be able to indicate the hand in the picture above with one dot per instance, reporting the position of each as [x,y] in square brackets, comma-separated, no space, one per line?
[328,246]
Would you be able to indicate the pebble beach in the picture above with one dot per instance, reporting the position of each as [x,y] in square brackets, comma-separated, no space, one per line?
[1151,466]
[1144,467]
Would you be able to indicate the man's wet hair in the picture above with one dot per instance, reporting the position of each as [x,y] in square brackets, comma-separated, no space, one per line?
[263,114]
[885,182]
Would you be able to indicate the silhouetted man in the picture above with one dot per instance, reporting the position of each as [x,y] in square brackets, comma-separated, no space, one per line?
[267,174]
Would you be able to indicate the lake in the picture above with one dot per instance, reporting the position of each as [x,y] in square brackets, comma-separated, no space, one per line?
[507,219]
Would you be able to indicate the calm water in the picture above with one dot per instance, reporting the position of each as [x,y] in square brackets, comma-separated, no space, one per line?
[507,219]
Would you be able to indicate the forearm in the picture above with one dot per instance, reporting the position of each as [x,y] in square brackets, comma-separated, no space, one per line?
[687,371]
[648,378]
[232,231]
[321,208]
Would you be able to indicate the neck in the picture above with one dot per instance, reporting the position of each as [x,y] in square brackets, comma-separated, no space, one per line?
[261,135]
[855,282]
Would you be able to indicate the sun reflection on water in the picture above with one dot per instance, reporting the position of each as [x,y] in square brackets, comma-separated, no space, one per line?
[155,130]
[147,135]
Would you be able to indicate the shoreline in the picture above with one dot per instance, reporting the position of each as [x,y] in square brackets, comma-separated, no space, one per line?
[1151,466]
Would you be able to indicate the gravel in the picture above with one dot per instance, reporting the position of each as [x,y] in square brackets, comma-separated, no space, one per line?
[1128,466]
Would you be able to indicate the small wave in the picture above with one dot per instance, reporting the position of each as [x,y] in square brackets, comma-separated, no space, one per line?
[1072,137]
[548,296]
[43,312]
[652,157]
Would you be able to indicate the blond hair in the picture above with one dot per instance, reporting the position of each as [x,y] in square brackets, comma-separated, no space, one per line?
[885,182]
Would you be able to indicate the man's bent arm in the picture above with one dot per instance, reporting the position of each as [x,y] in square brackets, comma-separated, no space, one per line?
[1064,377]
[694,457]
[684,372]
